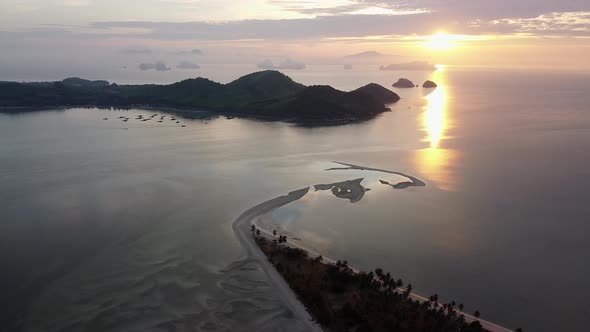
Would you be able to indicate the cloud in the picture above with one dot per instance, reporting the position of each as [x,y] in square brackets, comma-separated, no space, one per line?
[286,64]
[158,66]
[136,51]
[569,22]
[320,27]
[464,10]
[291,64]
[266,64]
[187,65]
[465,21]
[195,51]
[347,26]
[469,10]
[318,8]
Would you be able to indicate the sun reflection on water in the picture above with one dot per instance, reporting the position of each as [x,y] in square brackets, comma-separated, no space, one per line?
[434,118]
[435,162]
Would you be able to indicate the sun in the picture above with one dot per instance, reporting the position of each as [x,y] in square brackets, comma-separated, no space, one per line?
[441,41]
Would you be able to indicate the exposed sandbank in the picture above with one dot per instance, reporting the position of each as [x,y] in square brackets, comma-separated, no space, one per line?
[241,227]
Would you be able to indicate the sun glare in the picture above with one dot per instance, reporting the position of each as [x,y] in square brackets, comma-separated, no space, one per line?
[441,41]
[435,116]
[436,161]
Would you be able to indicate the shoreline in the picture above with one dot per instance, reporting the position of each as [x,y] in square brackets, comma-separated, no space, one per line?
[487,325]
[241,227]
[265,95]
[197,113]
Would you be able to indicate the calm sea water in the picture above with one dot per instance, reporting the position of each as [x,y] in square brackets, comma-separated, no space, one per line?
[106,225]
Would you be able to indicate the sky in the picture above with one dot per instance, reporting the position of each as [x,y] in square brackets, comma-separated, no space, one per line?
[50,39]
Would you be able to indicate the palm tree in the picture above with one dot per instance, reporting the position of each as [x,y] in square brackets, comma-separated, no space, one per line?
[282,239]
[476,314]
[379,272]
[408,291]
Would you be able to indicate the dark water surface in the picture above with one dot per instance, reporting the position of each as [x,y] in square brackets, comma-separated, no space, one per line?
[106,225]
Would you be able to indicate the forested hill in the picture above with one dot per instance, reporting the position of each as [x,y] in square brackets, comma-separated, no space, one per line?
[266,94]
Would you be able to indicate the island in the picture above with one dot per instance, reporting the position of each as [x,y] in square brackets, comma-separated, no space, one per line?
[415,66]
[429,84]
[368,55]
[403,83]
[268,95]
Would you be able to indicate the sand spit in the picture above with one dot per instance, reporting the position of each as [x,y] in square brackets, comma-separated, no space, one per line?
[241,227]
[415,181]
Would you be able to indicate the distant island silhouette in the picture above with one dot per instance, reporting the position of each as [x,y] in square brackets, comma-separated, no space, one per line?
[429,84]
[403,83]
[268,95]
[368,54]
[415,66]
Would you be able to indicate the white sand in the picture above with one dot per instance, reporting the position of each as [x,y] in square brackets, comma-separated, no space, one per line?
[241,227]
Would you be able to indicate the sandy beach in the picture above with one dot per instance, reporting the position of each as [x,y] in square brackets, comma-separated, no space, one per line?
[241,227]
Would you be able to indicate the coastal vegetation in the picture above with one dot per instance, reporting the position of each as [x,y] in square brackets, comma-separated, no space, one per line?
[341,299]
[267,94]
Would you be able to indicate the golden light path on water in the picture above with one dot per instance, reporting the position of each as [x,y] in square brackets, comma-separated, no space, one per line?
[434,119]
[434,161]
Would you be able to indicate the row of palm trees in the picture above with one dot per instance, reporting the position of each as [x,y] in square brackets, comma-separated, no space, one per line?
[389,286]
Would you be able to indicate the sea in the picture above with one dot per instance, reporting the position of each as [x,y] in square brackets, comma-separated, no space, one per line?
[107,225]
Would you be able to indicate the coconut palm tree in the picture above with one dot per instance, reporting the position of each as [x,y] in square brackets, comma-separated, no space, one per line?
[379,272]
[408,290]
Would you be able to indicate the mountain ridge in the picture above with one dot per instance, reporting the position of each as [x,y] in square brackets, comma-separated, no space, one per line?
[266,94]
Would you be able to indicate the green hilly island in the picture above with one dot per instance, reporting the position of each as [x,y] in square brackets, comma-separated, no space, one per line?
[265,95]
